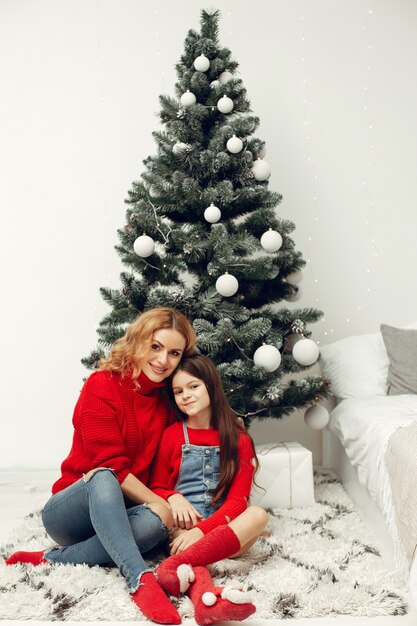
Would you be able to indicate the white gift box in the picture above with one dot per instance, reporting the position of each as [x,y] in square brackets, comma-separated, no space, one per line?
[285,476]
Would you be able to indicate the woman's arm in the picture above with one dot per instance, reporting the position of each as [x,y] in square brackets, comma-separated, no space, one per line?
[135,490]
[97,427]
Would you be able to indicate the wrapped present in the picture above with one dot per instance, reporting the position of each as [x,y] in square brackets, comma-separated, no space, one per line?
[285,476]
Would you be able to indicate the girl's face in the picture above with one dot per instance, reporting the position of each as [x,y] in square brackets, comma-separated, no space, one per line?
[191,395]
[164,354]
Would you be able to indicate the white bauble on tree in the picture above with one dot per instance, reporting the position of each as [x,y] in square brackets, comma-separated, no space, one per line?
[268,357]
[144,246]
[234,144]
[188,98]
[306,352]
[295,277]
[212,214]
[180,146]
[316,417]
[214,84]
[271,241]
[225,104]
[202,63]
[296,296]
[227,285]
[261,170]
[225,77]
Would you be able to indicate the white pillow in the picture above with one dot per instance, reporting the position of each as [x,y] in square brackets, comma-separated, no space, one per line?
[357,366]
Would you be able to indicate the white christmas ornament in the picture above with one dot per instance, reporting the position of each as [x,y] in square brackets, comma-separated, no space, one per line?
[178,147]
[306,352]
[316,417]
[214,84]
[295,277]
[234,144]
[225,77]
[201,63]
[227,285]
[261,170]
[208,598]
[144,246]
[294,297]
[188,98]
[271,241]
[212,214]
[225,104]
[268,357]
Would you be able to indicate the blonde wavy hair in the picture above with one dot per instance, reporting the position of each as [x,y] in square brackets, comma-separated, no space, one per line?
[127,352]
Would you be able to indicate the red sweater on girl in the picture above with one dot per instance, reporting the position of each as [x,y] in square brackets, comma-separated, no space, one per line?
[166,467]
[116,425]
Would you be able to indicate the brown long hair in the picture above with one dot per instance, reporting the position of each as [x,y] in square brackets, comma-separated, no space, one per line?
[127,352]
[223,418]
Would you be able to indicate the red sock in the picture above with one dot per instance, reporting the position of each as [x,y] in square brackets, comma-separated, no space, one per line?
[210,606]
[36,558]
[218,544]
[153,602]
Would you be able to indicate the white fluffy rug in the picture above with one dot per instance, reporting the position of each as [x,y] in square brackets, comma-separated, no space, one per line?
[319,560]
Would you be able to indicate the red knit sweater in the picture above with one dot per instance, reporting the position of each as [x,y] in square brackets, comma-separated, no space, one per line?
[115,426]
[166,467]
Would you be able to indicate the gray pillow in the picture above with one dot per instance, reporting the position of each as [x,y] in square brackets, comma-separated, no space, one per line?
[401,345]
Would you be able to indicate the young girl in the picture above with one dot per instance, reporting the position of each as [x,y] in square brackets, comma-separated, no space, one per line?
[204,468]
[101,510]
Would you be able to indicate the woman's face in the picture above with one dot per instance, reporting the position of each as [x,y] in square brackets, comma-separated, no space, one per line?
[191,395]
[164,354]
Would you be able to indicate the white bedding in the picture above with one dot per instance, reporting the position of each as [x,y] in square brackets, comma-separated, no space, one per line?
[364,426]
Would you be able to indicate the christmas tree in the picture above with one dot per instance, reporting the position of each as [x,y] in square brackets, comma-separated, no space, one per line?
[202,235]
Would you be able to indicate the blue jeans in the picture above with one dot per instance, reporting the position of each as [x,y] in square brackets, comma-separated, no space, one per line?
[90,520]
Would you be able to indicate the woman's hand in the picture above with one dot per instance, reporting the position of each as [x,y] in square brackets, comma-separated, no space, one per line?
[183,512]
[185,539]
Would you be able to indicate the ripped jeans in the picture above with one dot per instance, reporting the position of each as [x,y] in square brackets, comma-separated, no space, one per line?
[89,519]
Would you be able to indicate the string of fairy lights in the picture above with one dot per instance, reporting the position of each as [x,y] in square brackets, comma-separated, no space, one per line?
[366,187]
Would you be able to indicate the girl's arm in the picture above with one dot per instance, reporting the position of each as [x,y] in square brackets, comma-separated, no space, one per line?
[236,501]
[164,476]
[238,497]
[164,473]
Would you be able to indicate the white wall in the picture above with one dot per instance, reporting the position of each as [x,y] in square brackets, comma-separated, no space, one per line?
[80,85]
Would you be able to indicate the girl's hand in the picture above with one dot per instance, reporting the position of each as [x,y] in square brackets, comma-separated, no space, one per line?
[185,540]
[183,512]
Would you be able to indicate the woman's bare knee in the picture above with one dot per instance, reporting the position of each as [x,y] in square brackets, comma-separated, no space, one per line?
[259,516]
[164,512]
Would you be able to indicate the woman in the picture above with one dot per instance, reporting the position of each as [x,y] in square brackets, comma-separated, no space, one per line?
[101,510]
[204,468]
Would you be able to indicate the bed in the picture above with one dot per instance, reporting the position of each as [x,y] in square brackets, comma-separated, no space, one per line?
[371,438]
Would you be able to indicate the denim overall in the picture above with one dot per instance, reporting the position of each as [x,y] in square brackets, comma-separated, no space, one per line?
[199,475]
